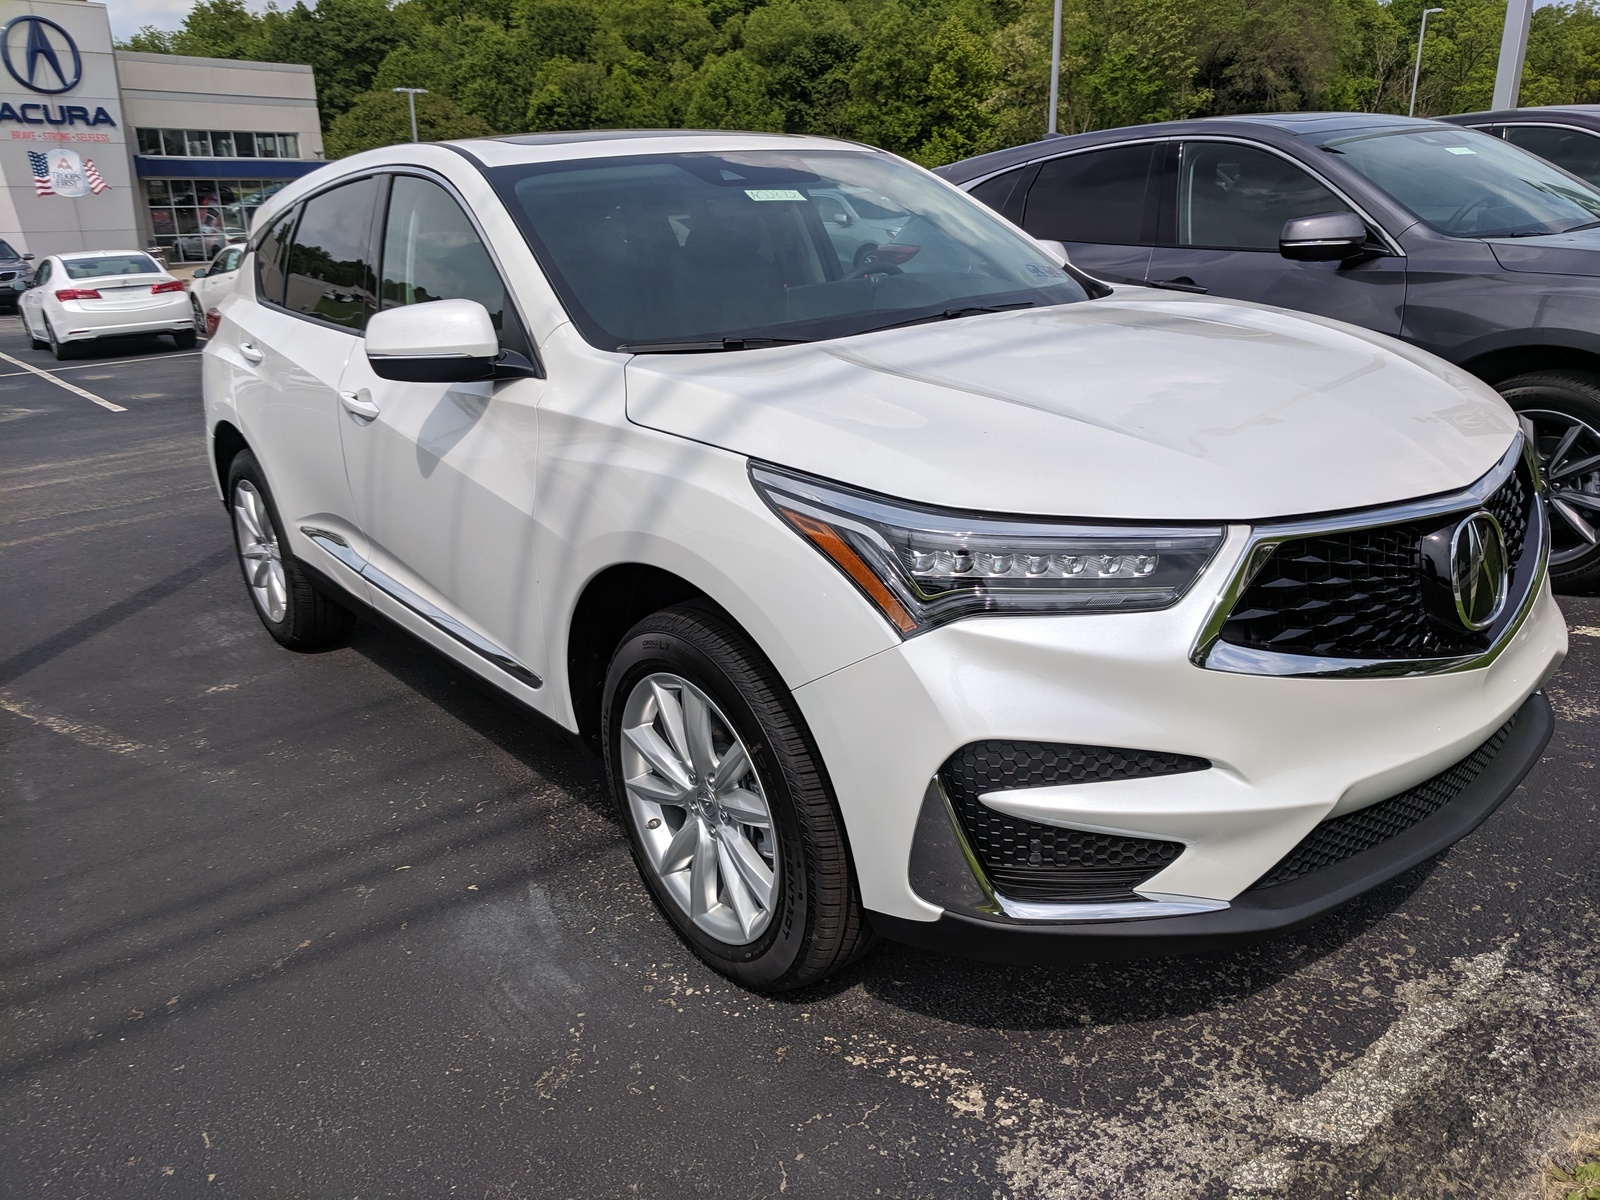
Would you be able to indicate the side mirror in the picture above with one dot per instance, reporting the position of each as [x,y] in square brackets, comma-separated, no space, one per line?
[199,274]
[441,341]
[1323,237]
[27,258]
[839,218]
[1054,249]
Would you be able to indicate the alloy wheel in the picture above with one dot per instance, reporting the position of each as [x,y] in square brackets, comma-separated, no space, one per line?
[699,809]
[1569,460]
[258,550]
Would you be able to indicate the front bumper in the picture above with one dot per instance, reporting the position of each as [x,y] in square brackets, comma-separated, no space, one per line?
[1286,753]
[1254,914]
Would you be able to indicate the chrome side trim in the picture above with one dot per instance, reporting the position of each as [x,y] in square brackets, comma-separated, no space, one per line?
[342,552]
[1155,905]
[1211,653]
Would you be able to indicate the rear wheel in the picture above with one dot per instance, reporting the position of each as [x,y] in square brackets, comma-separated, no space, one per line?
[726,805]
[199,312]
[289,605]
[62,350]
[1561,412]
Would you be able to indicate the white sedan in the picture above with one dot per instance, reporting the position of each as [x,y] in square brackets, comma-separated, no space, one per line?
[80,298]
[212,283]
[959,598]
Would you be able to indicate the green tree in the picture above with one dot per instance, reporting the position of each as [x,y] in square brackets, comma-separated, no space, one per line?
[731,92]
[383,119]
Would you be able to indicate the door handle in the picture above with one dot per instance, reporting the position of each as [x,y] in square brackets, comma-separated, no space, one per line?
[251,354]
[361,410]
[1181,284]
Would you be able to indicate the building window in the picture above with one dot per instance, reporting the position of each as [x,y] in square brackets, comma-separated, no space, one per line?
[194,218]
[217,143]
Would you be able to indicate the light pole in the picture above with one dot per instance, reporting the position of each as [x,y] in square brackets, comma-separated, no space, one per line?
[1055,67]
[411,101]
[1416,72]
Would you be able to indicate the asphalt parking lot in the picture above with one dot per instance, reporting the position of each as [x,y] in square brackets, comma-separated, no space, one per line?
[346,925]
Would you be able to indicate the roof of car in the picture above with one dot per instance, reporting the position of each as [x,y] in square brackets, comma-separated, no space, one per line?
[549,147]
[76,254]
[1279,126]
[1587,115]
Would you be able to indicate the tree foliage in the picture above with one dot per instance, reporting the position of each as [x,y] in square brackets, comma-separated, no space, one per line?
[932,79]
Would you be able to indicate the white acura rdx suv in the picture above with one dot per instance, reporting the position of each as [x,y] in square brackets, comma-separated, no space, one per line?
[949,595]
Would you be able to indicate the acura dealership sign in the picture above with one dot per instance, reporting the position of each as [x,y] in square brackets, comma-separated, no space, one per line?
[40,55]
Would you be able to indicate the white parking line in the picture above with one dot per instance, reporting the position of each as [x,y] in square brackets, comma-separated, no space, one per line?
[62,383]
[113,362]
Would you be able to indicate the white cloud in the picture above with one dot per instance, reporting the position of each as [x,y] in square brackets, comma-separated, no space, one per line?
[130,16]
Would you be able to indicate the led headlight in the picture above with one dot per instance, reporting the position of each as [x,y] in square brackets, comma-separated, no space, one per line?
[925,566]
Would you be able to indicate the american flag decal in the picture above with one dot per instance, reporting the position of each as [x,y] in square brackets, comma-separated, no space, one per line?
[96,184]
[41,174]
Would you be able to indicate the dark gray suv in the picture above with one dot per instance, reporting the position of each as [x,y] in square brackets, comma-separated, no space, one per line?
[1447,237]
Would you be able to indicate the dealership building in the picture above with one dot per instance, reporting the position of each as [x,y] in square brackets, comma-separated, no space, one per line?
[104,149]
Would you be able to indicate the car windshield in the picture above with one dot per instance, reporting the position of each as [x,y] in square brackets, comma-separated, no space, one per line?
[7,253]
[110,264]
[723,251]
[1468,184]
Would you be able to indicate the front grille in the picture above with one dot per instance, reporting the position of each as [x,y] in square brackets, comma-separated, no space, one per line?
[7,276]
[1336,840]
[1028,861]
[1360,594]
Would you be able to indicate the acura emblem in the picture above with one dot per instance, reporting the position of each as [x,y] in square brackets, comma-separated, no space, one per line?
[1478,576]
[40,55]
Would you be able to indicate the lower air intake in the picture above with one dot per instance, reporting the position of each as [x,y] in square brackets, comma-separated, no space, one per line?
[1029,861]
[1337,839]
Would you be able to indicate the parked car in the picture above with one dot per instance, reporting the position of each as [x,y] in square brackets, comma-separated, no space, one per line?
[1448,238]
[16,272]
[1566,134]
[857,223]
[85,297]
[211,283]
[959,598]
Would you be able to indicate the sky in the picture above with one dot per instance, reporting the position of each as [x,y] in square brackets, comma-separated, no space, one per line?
[129,16]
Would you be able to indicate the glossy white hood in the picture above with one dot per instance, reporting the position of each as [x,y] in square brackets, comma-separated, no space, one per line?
[1140,405]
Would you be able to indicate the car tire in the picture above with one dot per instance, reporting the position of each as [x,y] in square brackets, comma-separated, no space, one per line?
[38,343]
[862,251]
[199,312]
[1563,410]
[811,923]
[62,350]
[184,339]
[292,608]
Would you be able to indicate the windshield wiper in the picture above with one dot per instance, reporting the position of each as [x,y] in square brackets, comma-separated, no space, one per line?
[1585,225]
[710,344]
[951,314]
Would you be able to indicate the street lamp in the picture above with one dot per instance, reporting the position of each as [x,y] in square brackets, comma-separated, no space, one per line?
[1055,67]
[1416,72]
[413,93]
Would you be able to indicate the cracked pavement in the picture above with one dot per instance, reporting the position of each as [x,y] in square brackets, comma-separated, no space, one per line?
[346,924]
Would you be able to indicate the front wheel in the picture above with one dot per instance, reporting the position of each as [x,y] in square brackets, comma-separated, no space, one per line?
[289,605]
[726,805]
[1561,412]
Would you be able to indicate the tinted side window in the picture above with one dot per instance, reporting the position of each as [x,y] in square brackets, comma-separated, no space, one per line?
[1237,197]
[270,253]
[1570,149]
[432,252]
[995,192]
[42,276]
[1097,196]
[330,264]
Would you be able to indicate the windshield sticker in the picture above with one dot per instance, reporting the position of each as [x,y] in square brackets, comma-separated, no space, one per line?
[774,194]
[1461,149]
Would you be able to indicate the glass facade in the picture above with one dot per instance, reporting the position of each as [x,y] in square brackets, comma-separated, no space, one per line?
[194,218]
[217,143]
